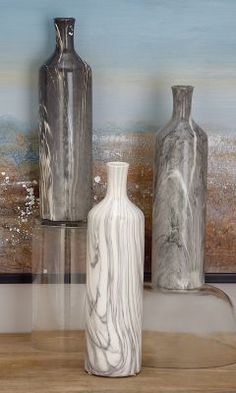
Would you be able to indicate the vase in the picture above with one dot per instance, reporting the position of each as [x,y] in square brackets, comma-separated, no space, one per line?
[188,328]
[180,184]
[65,150]
[115,259]
[58,290]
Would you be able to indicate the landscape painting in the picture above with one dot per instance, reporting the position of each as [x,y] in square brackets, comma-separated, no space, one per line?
[137,50]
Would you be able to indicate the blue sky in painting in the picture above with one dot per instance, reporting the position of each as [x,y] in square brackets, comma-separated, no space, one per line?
[137,50]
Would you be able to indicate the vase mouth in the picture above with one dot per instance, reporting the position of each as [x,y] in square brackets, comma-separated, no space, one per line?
[117,164]
[182,87]
[59,19]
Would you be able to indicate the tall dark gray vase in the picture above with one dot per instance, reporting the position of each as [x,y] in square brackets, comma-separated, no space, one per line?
[65,130]
[180,184]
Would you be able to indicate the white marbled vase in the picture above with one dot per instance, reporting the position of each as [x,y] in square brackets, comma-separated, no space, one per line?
[115,257]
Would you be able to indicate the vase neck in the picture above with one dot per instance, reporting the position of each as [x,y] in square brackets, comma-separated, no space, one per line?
[182,102]
[64,34]
[117,173]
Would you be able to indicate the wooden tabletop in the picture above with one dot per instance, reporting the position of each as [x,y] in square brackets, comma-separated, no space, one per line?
[27,370]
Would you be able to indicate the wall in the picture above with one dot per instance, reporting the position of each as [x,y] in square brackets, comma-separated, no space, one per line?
[16,311]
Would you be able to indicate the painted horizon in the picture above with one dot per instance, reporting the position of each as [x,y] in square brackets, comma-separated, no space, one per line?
[137,50]
[19,203]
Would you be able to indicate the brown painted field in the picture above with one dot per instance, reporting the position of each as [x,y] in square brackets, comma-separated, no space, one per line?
[19,203]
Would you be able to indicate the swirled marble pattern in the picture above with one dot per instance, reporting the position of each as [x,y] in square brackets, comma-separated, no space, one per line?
[115,257]
[179,199]
[65,131]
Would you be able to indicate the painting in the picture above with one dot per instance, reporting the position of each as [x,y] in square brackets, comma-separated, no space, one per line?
[137,50]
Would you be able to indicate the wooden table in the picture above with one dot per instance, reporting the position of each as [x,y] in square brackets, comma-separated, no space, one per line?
[27,370]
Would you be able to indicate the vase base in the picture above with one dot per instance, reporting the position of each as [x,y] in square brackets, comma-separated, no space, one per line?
[58,340]
[104,375]
[184,350]
[189,329]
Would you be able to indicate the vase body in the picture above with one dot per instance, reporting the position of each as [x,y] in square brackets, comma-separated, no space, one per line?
[180,183]
[115,258]
[65,130]
[58,290]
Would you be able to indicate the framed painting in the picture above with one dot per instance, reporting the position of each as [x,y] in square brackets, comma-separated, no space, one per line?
[137,50]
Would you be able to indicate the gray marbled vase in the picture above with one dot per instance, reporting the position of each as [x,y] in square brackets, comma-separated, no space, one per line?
[65,130]
[180,183]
